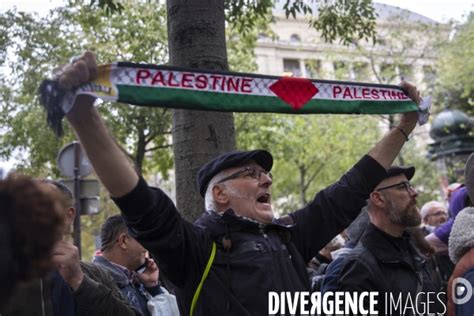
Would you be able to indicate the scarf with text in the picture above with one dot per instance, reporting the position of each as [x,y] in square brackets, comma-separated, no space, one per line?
[171,87]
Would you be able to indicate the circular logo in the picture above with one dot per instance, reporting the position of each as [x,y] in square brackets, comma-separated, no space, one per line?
[462,291]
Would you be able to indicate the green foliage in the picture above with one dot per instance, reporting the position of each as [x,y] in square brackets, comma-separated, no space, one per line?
[341,70]
[455,84]
[347,20]
[33,46]
[27,42]
[310,151]
[241,46]
[342,19]
[109,6]
[427,177]
[244,14]
[400,45]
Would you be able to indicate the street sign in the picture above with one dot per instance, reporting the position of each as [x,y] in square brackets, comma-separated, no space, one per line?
[66,161]
[73,163]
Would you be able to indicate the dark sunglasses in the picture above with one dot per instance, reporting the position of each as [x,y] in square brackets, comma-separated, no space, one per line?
[248,172]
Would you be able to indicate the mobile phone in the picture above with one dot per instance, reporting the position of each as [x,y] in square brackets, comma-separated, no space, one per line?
[142,268]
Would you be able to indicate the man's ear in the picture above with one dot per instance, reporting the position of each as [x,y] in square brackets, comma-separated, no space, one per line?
[122,240]
[70,214]
[220,195]
[377,198]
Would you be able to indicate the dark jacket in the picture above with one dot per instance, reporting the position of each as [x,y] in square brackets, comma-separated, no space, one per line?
[261,258]
[133,292]
[97,295]
[391,266]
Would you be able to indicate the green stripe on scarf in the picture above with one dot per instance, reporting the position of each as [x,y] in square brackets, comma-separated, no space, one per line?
[162,86]
[199,100]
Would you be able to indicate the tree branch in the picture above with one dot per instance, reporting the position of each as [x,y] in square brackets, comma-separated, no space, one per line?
[158,147]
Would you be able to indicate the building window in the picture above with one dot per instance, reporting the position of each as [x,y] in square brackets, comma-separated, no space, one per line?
[262,36]
[341,70]
[292,67]
[388,73]
[361,71]
[313,68]
[295,38]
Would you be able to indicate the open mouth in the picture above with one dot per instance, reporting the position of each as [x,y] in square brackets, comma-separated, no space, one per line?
[265,198]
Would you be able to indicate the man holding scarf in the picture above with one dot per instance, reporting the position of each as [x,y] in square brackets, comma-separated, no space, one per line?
[256,253]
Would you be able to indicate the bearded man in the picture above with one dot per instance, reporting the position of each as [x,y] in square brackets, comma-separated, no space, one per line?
[386,260]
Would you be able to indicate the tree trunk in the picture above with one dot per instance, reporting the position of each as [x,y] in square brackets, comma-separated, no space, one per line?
[196,37]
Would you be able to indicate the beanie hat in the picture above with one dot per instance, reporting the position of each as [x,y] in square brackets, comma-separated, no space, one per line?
[461,239]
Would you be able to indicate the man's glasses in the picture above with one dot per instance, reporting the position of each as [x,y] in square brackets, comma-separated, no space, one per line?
[437,214]
[406,185]
[248,172]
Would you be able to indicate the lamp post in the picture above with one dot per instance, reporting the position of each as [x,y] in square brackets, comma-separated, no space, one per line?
[73,163]
[453,135]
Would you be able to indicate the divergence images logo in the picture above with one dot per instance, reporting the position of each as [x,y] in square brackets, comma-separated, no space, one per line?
[462,291]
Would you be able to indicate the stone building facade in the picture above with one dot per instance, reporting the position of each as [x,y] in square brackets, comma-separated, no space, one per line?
[406,48]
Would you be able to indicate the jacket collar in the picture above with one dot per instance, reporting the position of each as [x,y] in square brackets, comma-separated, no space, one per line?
[228,222]
[117,273]
[391,249]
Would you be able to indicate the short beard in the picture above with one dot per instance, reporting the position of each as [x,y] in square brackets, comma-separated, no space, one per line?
[404,217]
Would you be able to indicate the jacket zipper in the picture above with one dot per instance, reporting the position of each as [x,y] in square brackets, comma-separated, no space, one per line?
[42,297]
[261,229]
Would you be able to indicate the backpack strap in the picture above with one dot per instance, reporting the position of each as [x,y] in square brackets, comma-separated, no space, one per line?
[203,278]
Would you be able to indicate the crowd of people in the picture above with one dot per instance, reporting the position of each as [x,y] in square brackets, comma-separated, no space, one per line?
[228,261]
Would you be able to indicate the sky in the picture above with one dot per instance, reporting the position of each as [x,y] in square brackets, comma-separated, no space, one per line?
[441,11]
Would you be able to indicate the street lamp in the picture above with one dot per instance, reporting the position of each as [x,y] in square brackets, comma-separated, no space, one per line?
[73,164]
[453,135]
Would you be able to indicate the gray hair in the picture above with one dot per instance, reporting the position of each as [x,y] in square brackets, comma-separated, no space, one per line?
[209,202]
[428,206]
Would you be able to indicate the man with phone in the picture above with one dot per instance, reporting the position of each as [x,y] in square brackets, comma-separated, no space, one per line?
[135,274]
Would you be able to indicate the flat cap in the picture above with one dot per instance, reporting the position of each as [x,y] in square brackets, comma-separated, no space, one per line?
[396,170]
[230,160]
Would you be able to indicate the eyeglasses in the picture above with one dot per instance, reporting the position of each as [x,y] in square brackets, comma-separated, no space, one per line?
[248,172]
[437,213]
[406,185]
